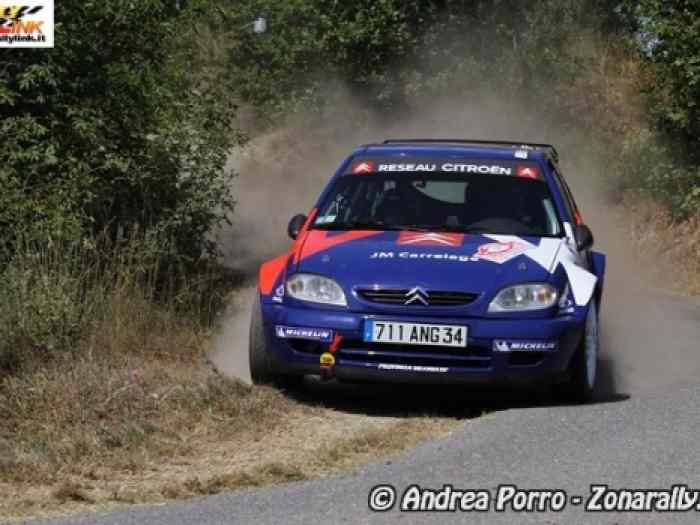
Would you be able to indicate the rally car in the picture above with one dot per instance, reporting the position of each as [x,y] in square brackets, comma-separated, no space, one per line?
[436,261]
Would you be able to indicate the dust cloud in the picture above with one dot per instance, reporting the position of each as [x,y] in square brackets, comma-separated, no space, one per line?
[650,338]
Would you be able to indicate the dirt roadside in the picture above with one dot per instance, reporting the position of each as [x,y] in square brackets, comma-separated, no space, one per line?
[311,442]
[224,434]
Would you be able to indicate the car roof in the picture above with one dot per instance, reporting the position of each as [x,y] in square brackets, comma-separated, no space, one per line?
[461,147]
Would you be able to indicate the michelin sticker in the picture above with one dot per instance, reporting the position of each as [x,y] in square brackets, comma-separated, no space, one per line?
[314,334]
[508,345]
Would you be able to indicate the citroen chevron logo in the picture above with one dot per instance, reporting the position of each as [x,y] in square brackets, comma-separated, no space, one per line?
[431,239]
[417,294]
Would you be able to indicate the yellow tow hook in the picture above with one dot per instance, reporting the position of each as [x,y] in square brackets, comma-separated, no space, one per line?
[327,359]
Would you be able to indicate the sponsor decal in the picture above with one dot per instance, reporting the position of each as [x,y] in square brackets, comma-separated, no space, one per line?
[413,368]
[430,256]
[328,219]
[472,168]
[430,239]
[527,172]
[500,252]
[448,167]
[408,167]
[360,168]
[279,294]
[521,154]
[511,345]
[27,25]
[314,334]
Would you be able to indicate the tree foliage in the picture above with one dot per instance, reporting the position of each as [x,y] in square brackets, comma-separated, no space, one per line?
[385,51]
[670,34]
[309,41]
[110,129]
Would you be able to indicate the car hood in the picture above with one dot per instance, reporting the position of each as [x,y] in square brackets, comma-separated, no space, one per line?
[434,261]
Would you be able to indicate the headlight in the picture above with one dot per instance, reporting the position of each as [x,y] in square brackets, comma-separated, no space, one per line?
[316,289]
[524,297]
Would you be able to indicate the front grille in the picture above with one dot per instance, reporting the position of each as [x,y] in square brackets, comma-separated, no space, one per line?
[433,298]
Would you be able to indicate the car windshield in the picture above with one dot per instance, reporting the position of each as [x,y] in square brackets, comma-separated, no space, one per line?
[467,203]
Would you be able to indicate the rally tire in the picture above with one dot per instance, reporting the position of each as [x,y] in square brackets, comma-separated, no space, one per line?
[261,369]
[583,369]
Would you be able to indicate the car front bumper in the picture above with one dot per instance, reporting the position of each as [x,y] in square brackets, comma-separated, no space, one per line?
[479,363]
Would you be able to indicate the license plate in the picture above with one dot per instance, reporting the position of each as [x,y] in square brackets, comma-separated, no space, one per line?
[415,334]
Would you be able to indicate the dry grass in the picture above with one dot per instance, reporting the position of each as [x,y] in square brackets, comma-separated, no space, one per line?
[133,414]
[181,431]
[120,407]
[673,246]
[331,457]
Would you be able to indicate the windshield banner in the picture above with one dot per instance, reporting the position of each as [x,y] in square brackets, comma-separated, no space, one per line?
[366,166]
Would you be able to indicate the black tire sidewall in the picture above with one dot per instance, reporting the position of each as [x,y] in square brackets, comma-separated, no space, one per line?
[577,389]
[258,358]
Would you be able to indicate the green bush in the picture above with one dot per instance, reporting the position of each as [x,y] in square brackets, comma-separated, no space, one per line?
[648,166]
[668,31]
[56,296]
[114,128]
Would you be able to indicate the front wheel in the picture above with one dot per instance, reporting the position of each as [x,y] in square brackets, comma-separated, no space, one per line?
[261,369]
[583,369]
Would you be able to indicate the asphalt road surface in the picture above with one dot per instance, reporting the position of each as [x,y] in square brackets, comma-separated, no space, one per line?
[643,433]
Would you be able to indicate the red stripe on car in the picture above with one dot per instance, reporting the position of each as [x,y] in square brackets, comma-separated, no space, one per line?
[270,271]
[317,241]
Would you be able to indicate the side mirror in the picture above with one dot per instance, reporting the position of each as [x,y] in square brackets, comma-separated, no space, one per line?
[583,236]
[295,225]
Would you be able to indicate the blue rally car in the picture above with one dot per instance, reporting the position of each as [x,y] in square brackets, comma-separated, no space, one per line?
[436,261]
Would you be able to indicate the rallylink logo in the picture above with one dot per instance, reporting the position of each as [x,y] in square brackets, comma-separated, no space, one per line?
[29,24]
